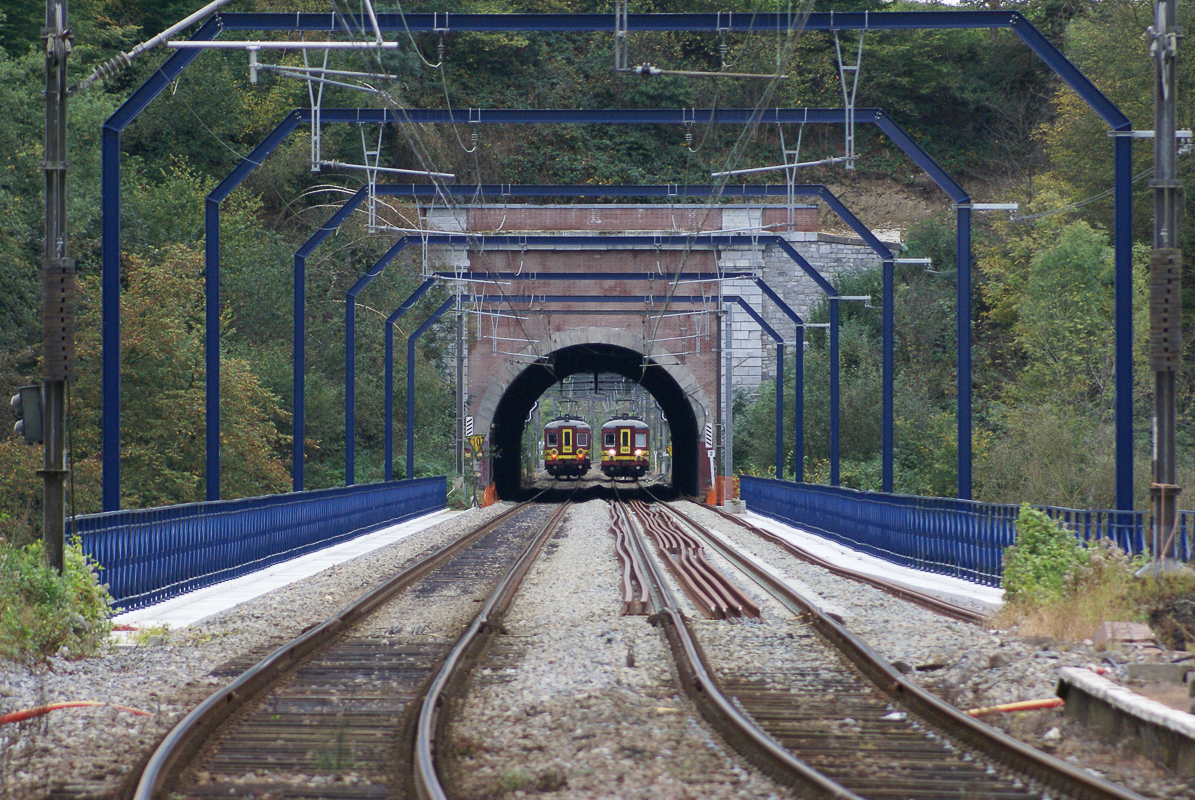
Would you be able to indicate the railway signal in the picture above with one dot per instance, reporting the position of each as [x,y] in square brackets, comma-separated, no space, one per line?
[28,404]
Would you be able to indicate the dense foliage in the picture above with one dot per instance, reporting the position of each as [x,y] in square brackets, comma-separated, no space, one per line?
[1045,556]
[42,612]
[977,100]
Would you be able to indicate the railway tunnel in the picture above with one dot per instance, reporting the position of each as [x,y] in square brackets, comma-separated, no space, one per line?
[527,386]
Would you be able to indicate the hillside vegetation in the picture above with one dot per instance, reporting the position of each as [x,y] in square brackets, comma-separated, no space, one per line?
[978,101]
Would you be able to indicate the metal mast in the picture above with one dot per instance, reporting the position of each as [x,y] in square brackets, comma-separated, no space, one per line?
[58,287]
[1165,299]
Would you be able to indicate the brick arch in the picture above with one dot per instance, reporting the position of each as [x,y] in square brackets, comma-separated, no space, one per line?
[512,392]
[484,415]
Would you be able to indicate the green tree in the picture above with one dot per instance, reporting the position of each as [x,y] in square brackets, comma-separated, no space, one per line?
[162,355]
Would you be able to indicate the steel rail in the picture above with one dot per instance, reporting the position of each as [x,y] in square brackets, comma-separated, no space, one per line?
[1047,770]
[719,710]
[927,601]
[454,672]
[184,740]
[712,593]
[634,603]
[691,556]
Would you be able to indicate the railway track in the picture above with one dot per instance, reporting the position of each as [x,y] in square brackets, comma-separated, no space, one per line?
[928,601]
[817,709]
[345,710]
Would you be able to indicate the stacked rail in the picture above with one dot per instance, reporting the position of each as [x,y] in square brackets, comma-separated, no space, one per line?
[714,594]
[635,599]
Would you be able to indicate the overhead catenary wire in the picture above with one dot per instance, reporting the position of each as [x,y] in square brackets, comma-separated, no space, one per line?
[422,152]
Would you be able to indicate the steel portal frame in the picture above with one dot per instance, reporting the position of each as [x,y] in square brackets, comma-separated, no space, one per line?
[547,298]
[733,191]
[513,241]
[478,116]
[1013,21]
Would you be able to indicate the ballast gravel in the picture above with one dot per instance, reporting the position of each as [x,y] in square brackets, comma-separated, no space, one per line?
[593,710]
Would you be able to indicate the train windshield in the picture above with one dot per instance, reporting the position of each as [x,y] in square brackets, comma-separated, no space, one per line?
[610,441]
[550,439]
[582,439]
[640,438]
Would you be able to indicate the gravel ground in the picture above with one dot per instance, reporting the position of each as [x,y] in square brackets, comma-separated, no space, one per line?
[91,751]
[586,723]
[974,667]
[594,711]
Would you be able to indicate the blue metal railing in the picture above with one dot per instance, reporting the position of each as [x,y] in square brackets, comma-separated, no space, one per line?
[149,555]
[962,538]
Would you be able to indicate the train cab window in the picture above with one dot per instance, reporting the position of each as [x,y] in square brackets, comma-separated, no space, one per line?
[610,441]
[550,439]
[582,439]
[640,438]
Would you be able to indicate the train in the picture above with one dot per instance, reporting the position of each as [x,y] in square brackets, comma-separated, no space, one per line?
[625,447]
[567,446]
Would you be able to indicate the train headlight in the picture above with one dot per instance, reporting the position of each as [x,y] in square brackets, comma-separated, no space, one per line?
[551,454]
[638,453]
[610,452]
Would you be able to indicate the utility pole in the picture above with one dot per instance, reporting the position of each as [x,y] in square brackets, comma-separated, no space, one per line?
[58,288]
[1165,291]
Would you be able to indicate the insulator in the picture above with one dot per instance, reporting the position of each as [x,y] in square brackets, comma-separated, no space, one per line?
[440,50]
[688,138]
[473,137]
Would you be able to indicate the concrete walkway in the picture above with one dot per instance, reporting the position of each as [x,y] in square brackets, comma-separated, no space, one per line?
[187,609]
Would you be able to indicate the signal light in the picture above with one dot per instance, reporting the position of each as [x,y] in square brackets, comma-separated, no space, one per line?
[28,404]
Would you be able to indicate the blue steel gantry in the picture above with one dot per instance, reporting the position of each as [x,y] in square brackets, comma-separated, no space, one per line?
[746,22]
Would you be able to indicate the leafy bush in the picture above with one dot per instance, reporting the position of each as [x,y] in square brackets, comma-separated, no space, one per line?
[1057,587]
[1044,560]
[42,611]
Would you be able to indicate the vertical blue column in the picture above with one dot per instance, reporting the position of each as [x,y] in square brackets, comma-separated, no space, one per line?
[780,411]
[350,387]
[389,401]
[887,413]
[799,407]
[410,407]
[834,421]
[963,257]
[390,320]
[110,280]
[110,251]
[439,312]
[299,360]
[1123,315]
[211,289]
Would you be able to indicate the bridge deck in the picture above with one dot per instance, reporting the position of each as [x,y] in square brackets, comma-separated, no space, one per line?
[187,609]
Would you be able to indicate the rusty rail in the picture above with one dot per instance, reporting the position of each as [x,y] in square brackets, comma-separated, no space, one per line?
[996,746]
[635,598]
[455,671]
[927,601]
[164,766]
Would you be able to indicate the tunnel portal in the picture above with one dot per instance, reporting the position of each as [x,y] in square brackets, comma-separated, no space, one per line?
[510,415]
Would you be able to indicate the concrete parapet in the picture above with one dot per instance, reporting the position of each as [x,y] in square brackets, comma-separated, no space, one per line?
[1166,735]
